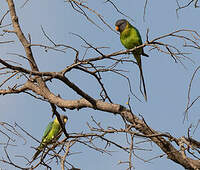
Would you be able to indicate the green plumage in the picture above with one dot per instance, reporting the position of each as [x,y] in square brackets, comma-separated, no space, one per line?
[51,135]
[130,38]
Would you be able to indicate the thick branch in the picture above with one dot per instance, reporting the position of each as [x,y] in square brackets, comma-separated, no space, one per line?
[25,43]
[45,91]
[21,36]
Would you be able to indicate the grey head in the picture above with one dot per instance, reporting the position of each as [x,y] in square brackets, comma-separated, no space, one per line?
[120,25]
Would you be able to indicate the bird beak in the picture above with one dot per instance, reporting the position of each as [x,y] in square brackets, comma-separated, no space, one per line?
[117,28]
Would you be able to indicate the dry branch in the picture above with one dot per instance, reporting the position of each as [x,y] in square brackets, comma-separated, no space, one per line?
[36,84]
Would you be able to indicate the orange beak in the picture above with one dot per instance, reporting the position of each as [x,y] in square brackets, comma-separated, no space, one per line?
[117,28]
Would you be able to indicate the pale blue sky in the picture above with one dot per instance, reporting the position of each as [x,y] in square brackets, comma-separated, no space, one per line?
[166,81]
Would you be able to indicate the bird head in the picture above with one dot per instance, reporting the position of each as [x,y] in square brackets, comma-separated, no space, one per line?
[120,25]
[64,118]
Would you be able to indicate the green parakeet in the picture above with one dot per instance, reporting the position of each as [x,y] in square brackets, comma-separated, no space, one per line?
[130,38]
[51,135]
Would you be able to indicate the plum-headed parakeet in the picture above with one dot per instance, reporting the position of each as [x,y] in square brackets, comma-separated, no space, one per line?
[51,135]
[130,38]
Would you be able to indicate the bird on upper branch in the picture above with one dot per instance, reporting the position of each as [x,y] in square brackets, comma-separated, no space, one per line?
[130,38]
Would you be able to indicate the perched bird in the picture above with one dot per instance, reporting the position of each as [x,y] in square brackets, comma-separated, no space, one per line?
[130,38]
[51,135]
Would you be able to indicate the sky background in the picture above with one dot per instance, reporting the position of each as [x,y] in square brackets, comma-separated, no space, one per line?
[166,81]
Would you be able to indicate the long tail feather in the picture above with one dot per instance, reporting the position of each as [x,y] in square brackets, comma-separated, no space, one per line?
[138,59]
[39,150]
[142,77]
[36,154]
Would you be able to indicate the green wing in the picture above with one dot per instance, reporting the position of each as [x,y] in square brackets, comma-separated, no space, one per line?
[137,34]
[130,37]
[47,130]
[52,133]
